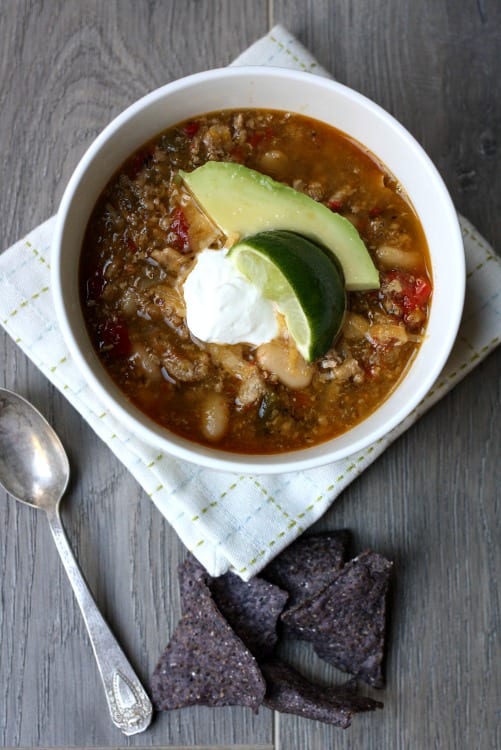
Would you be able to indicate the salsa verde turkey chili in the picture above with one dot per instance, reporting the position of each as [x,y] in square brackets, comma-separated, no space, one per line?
[142,240]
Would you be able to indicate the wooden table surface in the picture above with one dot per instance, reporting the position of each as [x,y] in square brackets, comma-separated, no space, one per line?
[430,502]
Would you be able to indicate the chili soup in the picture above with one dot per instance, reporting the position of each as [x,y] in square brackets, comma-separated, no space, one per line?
[144,238]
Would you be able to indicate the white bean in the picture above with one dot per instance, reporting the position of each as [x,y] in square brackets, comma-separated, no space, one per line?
[128,303]
[215,416]
[388,333]
[394,257]
[355,326]
[285,363]
[273,162]
[146,360]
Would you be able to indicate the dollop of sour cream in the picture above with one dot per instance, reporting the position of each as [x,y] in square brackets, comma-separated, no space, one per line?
[223,307]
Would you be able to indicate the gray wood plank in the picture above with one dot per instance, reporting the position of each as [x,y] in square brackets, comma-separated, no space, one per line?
[435,66]
[66,68]
[431,502]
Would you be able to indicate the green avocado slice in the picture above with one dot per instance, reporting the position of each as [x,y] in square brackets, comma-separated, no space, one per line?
[242,202]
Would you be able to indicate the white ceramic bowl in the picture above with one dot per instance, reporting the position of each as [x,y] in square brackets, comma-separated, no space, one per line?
[313,96]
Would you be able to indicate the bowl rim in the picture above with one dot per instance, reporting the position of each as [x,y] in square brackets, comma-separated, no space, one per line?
[212,457]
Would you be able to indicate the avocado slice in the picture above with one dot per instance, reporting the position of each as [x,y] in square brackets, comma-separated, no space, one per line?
[242,202]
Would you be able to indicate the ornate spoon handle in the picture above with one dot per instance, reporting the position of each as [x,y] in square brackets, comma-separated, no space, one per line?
[129,705]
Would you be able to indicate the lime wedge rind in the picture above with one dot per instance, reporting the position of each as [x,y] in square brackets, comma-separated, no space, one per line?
[302,279]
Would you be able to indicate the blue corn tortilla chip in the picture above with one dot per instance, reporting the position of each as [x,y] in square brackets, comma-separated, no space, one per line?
[221,651]
[346,621]
[193,580]
[308,564]
[205,663]
[289,692]
[252,609]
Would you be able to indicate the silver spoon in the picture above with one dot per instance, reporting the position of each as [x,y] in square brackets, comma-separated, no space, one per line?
[34,469]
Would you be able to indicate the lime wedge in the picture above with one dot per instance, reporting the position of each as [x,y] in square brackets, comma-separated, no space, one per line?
[303,279]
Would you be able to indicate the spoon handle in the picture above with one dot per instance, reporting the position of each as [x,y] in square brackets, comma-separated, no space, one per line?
[129,705]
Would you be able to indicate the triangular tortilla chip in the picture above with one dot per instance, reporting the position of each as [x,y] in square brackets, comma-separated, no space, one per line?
[289,692]
[205,663]
[308,564]
[252,609]
[346,621]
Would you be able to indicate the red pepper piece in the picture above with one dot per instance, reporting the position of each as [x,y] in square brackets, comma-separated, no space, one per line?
[414,291]
[191,129]
[422,290]
[179,231]
[375,212]
[94,285]
[254,139]
[131,244]
[141,159]
[335,205]
[114,338]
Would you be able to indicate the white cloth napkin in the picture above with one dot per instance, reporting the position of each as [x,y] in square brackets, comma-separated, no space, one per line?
[229,521]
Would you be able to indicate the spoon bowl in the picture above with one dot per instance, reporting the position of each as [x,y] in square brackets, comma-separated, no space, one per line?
[35,470]
[34,467]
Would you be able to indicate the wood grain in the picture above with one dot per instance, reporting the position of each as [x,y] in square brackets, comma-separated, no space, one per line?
[430,502]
